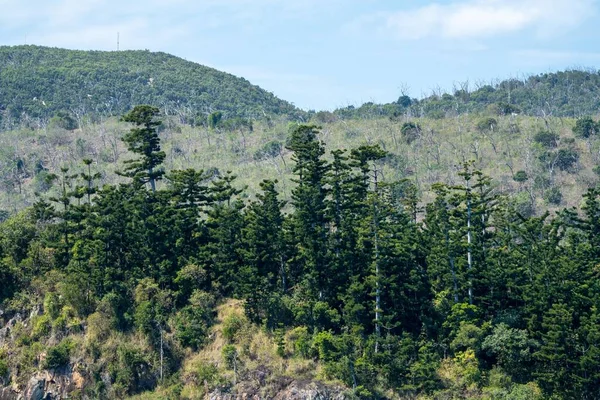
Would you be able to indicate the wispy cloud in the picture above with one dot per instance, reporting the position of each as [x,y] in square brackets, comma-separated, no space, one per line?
[148,24]
[479,18]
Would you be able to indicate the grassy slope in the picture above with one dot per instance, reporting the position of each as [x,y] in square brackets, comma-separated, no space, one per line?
[434,157]
[97,351]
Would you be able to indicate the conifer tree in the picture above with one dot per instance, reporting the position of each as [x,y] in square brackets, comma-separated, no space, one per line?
[556,354]
[309,221]
[220,254]
[143,140]
[264,252]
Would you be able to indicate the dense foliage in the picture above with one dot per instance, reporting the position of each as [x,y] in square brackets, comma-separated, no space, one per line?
[571,93]
[40,83]
[466,297]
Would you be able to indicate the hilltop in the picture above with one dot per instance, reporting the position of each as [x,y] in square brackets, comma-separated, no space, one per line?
[571,93]
[37,83]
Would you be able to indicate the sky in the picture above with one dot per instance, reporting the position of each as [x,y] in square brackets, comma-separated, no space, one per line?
[326,54]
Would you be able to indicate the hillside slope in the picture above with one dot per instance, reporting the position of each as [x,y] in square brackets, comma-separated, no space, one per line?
[38,82]
[569,93]
[502,147]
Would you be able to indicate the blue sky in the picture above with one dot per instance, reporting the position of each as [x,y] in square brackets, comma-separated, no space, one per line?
[329,53]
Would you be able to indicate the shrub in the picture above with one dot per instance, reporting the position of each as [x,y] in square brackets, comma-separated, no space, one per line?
[324,316]
[553,196]
[206,372]
[58,356]
[410,131]
[232,325]
[214,119]
[486,124]
[467,337]
[541,182]
[520,176]
[467,366]
[325,117]
[75,293]
[188,278]
[529,391]
[436,114]
[396,161]
[566,159]
[279,335]
[563,159]
[352,133]
[586,127]
[270,150]
[546,138]
[233,124]
[42,182]
[63,120]
[52,304]
[130,370]
[404,101]
[299,338]
[507,109]
[523,205]
[460,313]
[511,347]
[42,325]
[325,345]
[98,329]
[230,355]
[191,326]
[3,368]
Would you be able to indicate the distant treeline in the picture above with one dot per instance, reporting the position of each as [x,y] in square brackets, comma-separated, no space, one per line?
[572,93]
[37,83]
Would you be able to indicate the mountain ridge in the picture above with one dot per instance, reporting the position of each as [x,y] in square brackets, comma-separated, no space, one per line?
[38,82]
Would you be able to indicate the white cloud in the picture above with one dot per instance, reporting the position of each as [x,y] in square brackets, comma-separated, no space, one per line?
[151,24]
[480,18]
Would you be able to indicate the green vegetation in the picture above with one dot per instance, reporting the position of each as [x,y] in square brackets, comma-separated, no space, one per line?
[586,127]
[354,280]
[545,149]
[572,93]
[67,88]
[437,248]
[57,356]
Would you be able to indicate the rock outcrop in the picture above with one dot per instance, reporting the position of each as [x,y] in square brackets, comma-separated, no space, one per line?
[47,385]
[283,389]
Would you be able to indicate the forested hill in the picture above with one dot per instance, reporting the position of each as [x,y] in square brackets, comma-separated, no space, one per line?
[351,290]
[570,93]
[38,82]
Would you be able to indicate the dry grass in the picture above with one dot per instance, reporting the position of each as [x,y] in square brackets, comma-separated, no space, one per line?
[435,156]
[257,352]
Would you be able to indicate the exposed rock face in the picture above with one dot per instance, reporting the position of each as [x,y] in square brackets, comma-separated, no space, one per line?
[312,391]
[46,385]
[7,393]
[285,389]
[5,331]
[35,389]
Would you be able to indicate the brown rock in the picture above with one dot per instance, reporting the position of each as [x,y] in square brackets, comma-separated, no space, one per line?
[78,380]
